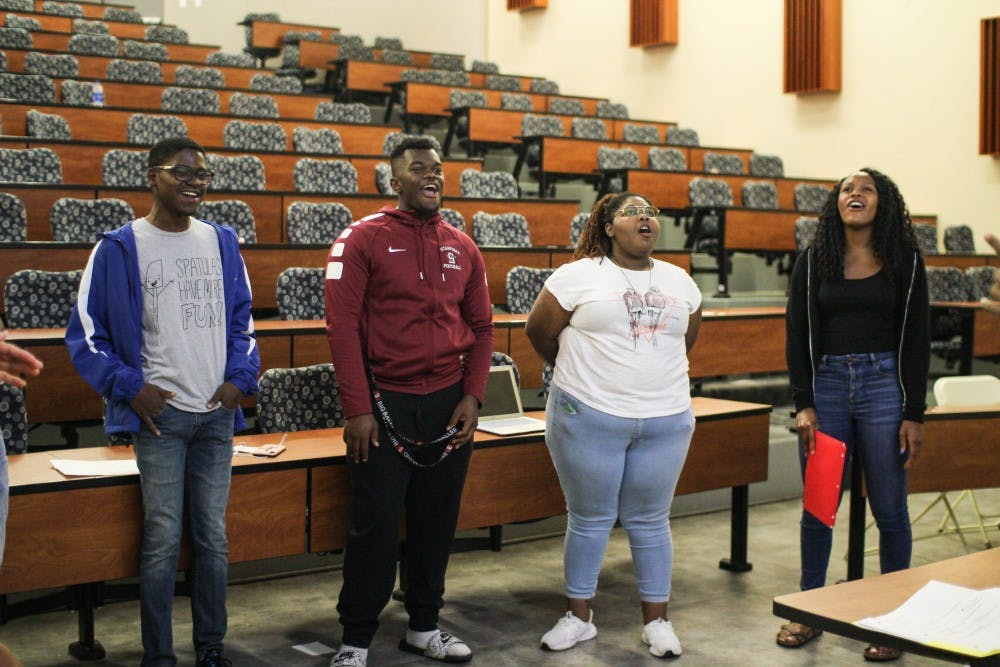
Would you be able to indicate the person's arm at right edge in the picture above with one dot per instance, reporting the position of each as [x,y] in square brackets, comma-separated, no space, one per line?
[347,272]
[991,303]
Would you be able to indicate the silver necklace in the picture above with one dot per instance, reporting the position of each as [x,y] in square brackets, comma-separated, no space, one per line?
[625,275]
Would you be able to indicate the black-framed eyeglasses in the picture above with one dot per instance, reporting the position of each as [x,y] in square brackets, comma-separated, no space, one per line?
[182,172]
[629,211]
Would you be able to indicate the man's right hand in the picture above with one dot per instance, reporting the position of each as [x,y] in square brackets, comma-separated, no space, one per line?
[359,433]
[149,402]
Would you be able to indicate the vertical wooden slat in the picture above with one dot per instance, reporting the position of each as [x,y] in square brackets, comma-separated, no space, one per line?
[812,46]
[989,87]
[653,22]
[521,5]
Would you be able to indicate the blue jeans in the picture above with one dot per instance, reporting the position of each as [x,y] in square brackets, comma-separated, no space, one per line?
[190,461]
[4,493]
[858,401]
[615,468]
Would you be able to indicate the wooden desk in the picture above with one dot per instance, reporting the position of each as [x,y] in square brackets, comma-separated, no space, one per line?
[669,189]
[360,76]
[962,262]
[298,502]
[64,24]
[78,160]
[959,452]
[271,34]
[980,332]
[317,55]
[91,10]
[836,608]
[96,67]
[59,43]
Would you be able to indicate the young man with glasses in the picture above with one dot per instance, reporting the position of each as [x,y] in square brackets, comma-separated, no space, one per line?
[408,312]
[162,329]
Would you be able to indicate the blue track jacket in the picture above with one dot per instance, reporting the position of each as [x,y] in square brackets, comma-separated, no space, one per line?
[104,335]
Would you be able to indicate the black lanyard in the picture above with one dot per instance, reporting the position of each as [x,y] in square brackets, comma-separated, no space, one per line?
[402,443]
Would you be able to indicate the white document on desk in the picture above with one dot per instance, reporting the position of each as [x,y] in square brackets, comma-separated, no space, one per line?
[110,468]
[946,616]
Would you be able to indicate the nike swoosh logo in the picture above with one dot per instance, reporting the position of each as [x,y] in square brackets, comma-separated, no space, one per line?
[391,249]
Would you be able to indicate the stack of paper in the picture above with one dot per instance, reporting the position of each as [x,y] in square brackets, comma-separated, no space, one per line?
[946,616]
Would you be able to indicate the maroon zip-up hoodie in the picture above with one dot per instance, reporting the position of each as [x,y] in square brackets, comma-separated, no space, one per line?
[409,295]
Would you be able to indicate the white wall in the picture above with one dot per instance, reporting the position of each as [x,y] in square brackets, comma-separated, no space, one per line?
[908,106]
[909,103]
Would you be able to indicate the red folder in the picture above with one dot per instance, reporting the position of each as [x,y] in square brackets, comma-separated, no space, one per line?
[824,472]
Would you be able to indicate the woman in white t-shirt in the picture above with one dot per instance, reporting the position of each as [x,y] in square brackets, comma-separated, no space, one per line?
[617,325]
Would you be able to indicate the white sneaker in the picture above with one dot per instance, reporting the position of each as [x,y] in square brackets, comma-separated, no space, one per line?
[349,657]
[568,632]
[659,636]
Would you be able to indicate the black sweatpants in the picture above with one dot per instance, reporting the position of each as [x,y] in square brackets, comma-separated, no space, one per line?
[381,489]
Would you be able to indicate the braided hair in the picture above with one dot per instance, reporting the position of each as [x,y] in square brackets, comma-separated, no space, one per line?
[594,240]
[892,230]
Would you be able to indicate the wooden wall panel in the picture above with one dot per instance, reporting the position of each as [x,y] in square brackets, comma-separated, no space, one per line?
[812,46]
[521,5]
[989,116]
[652,22]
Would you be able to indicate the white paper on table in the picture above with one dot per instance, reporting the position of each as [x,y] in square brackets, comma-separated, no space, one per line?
[946,616]
[314,648]
[111,468]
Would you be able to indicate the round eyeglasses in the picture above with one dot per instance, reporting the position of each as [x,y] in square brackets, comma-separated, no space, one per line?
[185,173]
[629,211]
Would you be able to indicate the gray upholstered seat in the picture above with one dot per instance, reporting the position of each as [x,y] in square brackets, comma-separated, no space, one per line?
[509,230]
[30,88]
[13,419]
[46,126]
[523,285]
[617,158]
[18,5]
[233,212]
[60,65]
[322,140]
[344,38]
[122,15]
[77,93]
[723,163]
[667,159]
[325,176]
[147,129]
[39,299]
[958,239]
[544,87]
[243,135]
[221,59]
[760,194]
[297,399]
[255,106]
[18,22]
[190,100]
[15,38]
[682,136]
[706,193]
[453,218]
[299,293]
[566,106]
[589,128]
[394,43]
[93,45]
[269,83]
[611,110]
[640,134]
[809,197]
[353,51]
[467,98]
[29,165]
[485,67]
[488,184]
[805,232]
[81,220]
[135,71]
[199,77]
[926,237]
[980,280]
[340,112]
[239,172]
[13,219]
[516,102]
[769,166]
[447,61]
[311,222]
[383,178]
[69,9]
[501,82]
[91,27]
[125,169]
[166,34]
[392,57]
[138,50]
[576,226]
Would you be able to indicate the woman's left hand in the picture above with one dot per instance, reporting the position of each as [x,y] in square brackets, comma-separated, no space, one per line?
[911,439]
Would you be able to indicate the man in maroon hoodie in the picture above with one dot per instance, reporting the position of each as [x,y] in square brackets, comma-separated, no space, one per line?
[408,309]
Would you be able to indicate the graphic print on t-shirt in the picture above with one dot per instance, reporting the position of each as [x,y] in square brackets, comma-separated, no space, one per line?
[152,284]
[199,297]
[648,313]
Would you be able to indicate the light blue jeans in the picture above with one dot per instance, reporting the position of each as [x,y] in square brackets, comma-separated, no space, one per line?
[858,401]
[190,461]
[615,468]
[4,494]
